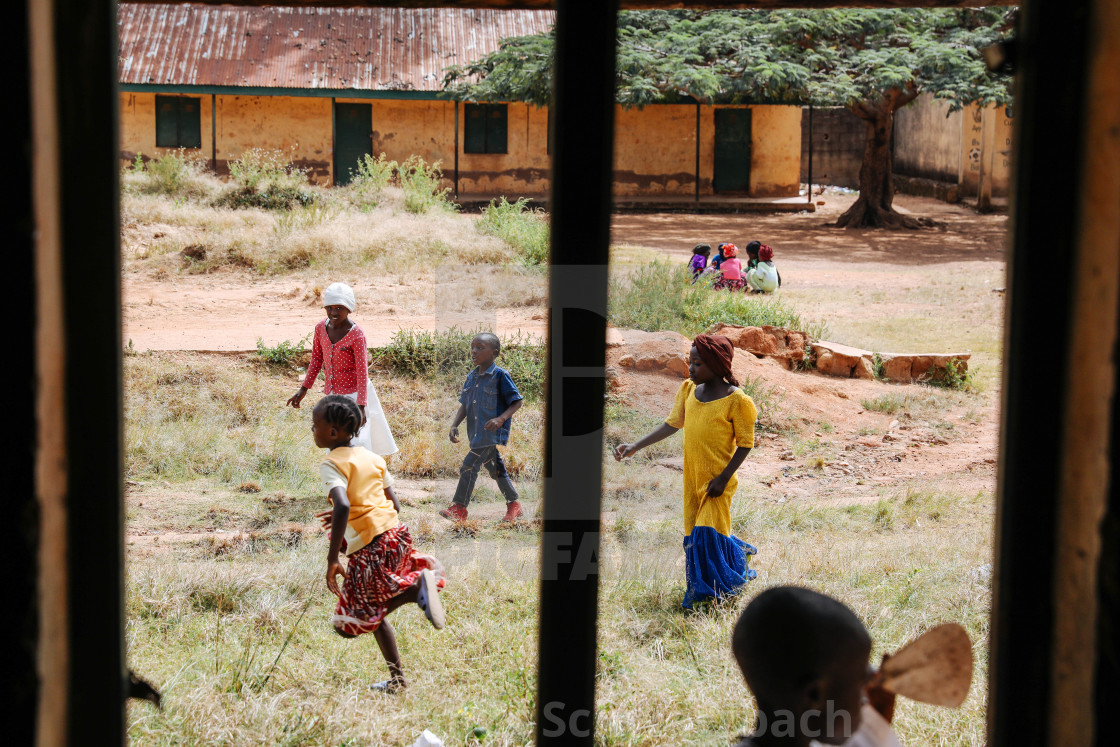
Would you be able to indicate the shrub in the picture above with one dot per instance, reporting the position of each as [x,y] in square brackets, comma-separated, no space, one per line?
[522,227]
[660,296]
[446,354]
[420,182]
[175,173]
[370,179]
[264,179]
[284,354]
[955,375]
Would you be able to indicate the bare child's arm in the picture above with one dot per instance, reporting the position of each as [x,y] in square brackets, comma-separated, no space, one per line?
[340,514]
[719,483]
[659,433]
[393,497]
[494,424]
[459,415]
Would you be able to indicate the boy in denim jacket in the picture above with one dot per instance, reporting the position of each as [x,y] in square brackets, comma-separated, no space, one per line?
[488,400]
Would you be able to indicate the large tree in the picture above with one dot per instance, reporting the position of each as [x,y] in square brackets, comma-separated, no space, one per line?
[871,61]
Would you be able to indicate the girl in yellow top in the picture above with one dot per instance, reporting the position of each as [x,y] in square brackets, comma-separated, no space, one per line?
[718,420]
[382,572]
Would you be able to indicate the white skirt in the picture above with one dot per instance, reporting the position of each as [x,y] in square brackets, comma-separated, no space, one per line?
[375,434]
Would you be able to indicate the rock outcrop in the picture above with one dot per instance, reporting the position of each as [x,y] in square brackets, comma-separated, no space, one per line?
[834,359]
[781,344]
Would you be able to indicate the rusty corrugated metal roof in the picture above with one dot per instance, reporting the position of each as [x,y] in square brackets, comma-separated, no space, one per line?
[387,49]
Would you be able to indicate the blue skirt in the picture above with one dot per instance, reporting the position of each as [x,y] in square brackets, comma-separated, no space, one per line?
[715,565]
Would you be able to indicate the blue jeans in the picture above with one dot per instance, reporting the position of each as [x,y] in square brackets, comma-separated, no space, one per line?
[489,457]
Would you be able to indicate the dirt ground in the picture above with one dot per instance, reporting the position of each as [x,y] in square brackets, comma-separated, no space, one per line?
[826,446]
[230,310]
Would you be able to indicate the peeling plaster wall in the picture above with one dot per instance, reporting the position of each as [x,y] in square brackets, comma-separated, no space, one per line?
[655,150]
[138,127]
[775,151]
[524,168]
[655,147]
[299,127]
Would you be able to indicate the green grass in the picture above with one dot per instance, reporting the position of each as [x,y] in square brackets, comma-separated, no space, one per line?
[444,354]
[520,226]
[660,296]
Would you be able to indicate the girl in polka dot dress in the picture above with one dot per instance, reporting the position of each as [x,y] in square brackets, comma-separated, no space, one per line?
[339,349]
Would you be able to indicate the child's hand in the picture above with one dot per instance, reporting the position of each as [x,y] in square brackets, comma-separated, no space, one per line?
[453,434]
[717,486]
[334,570]
[493,424]
[624,450]
[325,518]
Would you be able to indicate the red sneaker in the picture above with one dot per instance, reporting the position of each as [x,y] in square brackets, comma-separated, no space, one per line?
[455,512]
[513,510]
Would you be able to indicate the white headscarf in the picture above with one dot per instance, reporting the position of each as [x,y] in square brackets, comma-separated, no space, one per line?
[339,294]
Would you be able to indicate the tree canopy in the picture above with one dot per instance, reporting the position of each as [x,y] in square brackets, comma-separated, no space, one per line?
[824,57]
[871,61]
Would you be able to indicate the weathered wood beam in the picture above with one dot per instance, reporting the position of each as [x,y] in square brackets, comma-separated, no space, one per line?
[623,5]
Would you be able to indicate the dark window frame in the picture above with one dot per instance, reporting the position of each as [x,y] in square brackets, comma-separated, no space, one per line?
[179,113]
[493,137]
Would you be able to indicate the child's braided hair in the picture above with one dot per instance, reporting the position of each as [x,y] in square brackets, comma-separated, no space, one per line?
[341,412]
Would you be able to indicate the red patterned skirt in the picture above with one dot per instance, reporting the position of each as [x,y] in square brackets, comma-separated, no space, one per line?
[381,570]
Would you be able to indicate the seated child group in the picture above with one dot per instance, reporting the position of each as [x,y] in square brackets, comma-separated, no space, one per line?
[384,571]
[727,271]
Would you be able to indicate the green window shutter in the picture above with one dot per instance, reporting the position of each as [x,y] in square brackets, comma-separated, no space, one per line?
[496,128]
[190,123]
[474,128]
[167,122]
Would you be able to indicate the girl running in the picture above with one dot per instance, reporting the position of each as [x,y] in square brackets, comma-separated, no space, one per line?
[339,349]
[718,420]
[382,572]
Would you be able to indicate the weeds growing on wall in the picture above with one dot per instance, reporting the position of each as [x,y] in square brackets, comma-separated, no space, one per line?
[523,228]
[661,296]
[446,354]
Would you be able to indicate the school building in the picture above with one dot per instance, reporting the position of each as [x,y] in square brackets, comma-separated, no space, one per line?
[328,85]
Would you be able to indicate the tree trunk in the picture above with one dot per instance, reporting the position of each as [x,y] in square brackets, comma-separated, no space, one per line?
[874,208]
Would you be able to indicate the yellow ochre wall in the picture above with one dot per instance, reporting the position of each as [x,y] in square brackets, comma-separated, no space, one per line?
[522,170]
[655,150]
[297,126]
[972,146]
[775,150]
[655,147]
[138,127]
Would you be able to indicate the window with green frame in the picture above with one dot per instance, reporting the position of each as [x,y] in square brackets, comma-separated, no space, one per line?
[178,122]
[485,127]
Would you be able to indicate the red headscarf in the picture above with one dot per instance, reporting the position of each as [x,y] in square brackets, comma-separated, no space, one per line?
[765,253]
[730,250]
[717,351]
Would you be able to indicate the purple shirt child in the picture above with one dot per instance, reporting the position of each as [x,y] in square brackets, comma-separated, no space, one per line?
[699,259]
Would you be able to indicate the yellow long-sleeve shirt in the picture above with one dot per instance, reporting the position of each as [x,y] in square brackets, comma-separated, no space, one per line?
[712,433]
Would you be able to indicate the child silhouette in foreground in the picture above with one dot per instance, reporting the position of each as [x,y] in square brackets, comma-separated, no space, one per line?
[488,400]
[382,572]
[805,656]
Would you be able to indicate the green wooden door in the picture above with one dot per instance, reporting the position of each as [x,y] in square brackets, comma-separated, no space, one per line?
[732,172]
[352,124]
